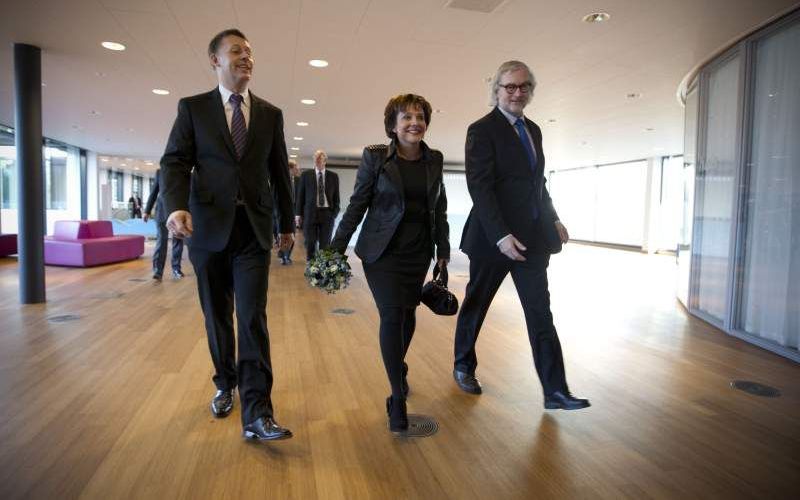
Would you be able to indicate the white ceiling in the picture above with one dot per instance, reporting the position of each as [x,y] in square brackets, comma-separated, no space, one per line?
[376,49]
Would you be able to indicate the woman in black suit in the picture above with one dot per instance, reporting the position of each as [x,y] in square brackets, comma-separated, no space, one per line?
[400,188]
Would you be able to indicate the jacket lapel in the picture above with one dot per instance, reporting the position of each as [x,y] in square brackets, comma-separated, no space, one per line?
[220,120]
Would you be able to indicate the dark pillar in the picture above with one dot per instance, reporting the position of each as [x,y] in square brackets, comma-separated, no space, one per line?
[84,185]
[30,184]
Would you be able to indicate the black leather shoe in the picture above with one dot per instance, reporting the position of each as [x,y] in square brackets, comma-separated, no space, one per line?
[157,276]
[177,274]
[564,401]
[265,429]
[406,389]
[222,404]
[397,412]
[467,382]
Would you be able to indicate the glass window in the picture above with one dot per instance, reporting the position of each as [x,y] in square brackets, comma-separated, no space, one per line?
[714,210]
[117,184]
[687,181]
[770,306]
[55,162]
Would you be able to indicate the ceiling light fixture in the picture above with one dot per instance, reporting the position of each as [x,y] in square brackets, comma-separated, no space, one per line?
[318,63]
[302,124]
[634,95]
[295,148]
[123,164]
[161,91]
[596,17]
[551,120]
[308,102]
[297,138]
[292,156]
[113,46]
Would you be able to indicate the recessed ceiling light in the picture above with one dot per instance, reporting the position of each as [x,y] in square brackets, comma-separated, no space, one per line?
[596,17]
[123,164]
[634,95]
[128,159]
[551,120]
[437,111]
[308,101]
[103,159]
[302,124]
[136,168]
[295,148]
[148,163]
[45,85]
[113,46]
[94,112]
[161,91]
[292,156]
[297,138]
[649,129]
[318,63]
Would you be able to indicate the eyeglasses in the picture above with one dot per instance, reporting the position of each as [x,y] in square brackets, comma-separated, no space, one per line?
[511,88]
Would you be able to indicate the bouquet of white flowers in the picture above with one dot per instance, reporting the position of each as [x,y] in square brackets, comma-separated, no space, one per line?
[329,271]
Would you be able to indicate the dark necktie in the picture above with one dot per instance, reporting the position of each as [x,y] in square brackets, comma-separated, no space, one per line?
[320,190]
[526,143]
[238,127]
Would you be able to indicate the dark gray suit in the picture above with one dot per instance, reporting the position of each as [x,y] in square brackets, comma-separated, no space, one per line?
[230,246]
[317,222]
[509,197]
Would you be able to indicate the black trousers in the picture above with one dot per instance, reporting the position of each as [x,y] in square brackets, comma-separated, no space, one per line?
[238,274]
[318,231]
[160,253]
[530,279]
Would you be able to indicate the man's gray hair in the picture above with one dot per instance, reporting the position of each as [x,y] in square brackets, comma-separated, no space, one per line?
[504,68]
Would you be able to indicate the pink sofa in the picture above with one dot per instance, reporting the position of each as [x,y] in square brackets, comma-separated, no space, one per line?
[89,243]
[8,244]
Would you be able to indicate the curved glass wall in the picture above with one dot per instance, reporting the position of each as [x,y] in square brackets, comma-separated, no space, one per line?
[745,266]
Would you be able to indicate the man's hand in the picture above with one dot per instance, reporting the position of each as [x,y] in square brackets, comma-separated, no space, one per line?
[146,216]
[442,263]
[285,241]
[510,247]
[180,224]
[298,220]
[562,232]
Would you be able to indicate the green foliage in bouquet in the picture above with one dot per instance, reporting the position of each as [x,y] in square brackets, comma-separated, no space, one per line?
[329,271]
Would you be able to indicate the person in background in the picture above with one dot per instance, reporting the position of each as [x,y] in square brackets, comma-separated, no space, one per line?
[162,235]
[317,205]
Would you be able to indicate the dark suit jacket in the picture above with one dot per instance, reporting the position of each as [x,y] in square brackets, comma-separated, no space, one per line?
[200,171]
[379,188]
[505,192]
[306,202]
[156,200]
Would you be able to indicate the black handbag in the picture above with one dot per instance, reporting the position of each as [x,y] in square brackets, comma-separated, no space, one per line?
[436,296]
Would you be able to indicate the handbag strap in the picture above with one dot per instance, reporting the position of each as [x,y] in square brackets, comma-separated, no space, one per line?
[443,271]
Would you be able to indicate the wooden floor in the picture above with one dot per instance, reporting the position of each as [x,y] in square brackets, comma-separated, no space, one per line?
[115,404]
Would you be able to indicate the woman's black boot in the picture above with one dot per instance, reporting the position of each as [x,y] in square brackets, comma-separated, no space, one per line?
[396,410]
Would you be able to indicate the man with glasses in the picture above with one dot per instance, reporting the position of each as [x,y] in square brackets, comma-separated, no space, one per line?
[507,232]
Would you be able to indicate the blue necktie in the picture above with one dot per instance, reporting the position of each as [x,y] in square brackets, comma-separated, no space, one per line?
[238,127]
[526,143]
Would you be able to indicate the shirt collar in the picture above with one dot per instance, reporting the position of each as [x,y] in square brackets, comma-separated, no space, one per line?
[226,96]
[512,119]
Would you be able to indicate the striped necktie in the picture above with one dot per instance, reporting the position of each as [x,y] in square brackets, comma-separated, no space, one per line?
[238,126]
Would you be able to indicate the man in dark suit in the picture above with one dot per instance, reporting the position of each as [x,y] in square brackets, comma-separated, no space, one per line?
[225,156]
[162,235]
[317,205]
[507,232]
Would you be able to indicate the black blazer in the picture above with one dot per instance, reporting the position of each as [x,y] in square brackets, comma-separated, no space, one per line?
[379,188]
[504,190]
[156,200]
[306,201]
[200,171]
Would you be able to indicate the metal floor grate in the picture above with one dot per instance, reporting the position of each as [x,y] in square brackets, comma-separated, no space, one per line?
[420,426]
[756,389]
